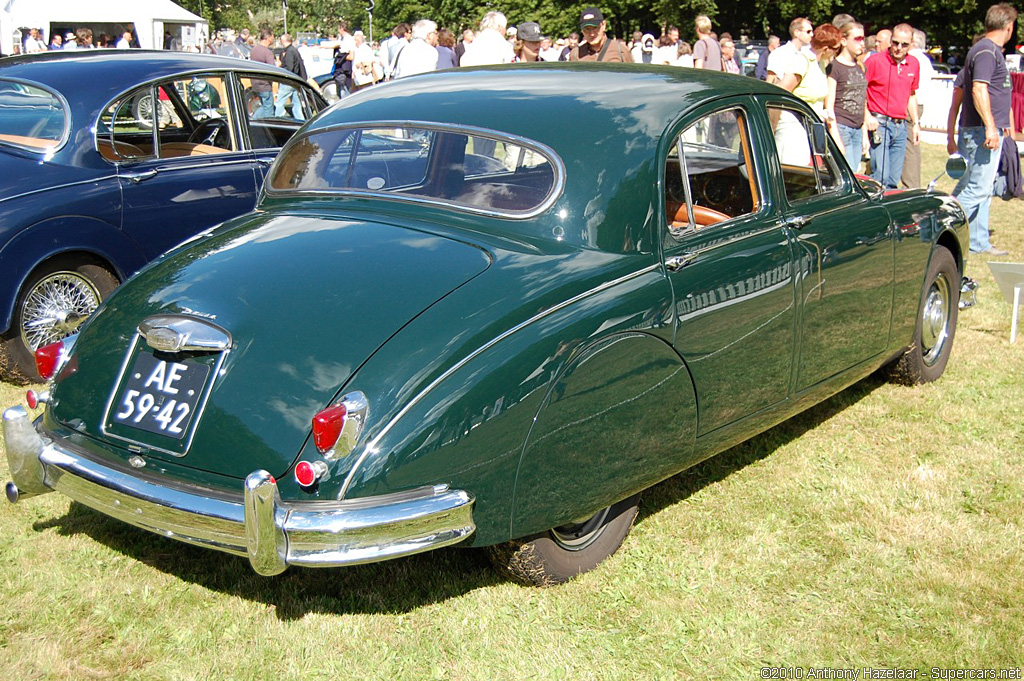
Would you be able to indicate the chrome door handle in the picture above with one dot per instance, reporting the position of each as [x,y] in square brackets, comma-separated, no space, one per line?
[678,262]
[140,176]
[797,222]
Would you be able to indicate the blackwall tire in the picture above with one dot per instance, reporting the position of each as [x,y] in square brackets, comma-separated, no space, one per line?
[54,302]
[935,328]
[556,556]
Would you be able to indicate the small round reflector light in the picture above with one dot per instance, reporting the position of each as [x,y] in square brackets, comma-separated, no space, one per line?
[32,399]
[327,426]
[305,474]
[47,358]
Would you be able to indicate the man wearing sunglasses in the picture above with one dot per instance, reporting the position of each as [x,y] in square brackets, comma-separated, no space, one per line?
[982,95]
[892,115]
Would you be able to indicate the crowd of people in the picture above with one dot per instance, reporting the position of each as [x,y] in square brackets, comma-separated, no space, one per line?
[865,88]
[79,39]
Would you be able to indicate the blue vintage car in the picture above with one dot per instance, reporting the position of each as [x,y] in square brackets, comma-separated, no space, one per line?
[110,158]
[489,307]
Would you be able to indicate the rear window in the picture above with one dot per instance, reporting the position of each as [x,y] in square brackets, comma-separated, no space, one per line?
[467,169]
[31,117]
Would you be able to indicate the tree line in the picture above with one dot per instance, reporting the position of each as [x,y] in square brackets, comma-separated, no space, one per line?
[946,23]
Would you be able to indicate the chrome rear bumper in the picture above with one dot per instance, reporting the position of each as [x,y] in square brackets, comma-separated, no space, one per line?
[257,523]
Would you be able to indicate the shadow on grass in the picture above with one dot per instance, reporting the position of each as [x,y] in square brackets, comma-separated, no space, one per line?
[404,584]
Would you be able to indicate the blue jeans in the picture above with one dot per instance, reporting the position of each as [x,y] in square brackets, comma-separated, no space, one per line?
[853,144]
[266,108]
[887,150]
[974,190]
[284,93]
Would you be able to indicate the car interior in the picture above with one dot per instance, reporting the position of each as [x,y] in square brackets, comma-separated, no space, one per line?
[719,180]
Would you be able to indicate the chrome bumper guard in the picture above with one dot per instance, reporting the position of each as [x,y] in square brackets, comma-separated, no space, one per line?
[968,292]
[257,524]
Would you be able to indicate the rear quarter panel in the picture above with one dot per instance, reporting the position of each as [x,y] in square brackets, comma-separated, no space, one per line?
[587,372]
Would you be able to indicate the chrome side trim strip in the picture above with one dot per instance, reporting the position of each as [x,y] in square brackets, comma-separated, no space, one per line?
[372,445]
[254,523]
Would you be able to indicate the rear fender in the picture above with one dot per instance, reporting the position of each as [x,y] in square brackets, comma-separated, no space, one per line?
[99,240]
[620,417]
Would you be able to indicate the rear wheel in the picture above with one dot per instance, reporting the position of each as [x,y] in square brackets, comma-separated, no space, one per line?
[926,359]
[56,300]
[558,555]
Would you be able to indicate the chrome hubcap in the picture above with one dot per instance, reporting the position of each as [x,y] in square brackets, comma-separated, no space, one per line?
[577,536]
[935,320]
[56,307]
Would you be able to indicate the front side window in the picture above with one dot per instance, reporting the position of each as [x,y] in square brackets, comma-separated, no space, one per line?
[30,117]
[187,116]
[709,176]
[804,172]
[274,109]
[466,169]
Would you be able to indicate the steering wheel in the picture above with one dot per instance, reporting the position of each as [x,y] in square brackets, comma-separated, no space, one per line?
[213,132]
[702,217]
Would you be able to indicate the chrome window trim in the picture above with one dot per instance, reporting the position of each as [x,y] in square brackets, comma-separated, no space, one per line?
[557,187]
[843,180]
[371,446]
[762,205]
[65,135]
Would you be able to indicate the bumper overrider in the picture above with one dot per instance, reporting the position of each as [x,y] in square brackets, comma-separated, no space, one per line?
[257,523]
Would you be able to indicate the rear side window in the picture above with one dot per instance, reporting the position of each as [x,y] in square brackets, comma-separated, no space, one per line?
[31,117]
[466,169]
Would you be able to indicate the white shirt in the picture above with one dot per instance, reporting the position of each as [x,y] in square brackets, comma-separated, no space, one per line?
[123,44]
[418,57]
[34,45]
[785,59]
[924,88]
[489,47]
[551,54]
[364,55]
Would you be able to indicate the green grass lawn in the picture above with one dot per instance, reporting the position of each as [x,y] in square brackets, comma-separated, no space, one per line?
[881,528]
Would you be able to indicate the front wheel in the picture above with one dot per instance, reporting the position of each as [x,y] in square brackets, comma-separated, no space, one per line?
[926,359]
[558,555]
[55,301]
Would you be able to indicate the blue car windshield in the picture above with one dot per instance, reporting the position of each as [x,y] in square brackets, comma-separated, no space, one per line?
[468,170]
[31,117]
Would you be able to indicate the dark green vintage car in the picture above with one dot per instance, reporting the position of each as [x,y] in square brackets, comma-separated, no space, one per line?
[489,307]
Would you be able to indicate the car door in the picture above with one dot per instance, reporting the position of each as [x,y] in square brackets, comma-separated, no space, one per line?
[843,248]
[273,109]
[180,159]
[730,263]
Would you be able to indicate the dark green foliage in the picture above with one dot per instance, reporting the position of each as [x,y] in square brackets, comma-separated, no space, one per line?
[945,23]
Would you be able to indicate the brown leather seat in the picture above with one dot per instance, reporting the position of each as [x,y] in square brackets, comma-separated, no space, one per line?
[118,151]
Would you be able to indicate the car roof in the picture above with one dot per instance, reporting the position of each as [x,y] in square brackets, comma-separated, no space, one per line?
[99,75]
[558,104]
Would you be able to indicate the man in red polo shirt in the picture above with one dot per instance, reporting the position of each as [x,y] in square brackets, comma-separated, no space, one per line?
[893,77]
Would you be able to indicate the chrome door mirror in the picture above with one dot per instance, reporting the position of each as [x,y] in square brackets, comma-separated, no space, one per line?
[956,166]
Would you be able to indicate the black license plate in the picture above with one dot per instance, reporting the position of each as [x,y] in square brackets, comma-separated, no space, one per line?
[161,396]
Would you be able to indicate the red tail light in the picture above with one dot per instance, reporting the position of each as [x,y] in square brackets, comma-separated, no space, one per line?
[327,426]
[47,359]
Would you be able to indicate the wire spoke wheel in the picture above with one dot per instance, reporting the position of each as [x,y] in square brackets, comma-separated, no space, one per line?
[55,308]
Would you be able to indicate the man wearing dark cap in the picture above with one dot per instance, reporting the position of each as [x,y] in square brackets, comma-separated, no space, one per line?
[596,45]
[530,37]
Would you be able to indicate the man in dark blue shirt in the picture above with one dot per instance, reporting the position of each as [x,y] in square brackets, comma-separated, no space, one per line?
[761,70]
[984,118]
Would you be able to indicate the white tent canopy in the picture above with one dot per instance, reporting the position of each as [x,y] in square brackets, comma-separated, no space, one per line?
[151,18]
